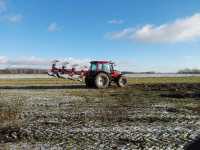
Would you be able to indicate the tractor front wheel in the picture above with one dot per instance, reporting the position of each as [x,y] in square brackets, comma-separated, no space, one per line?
[102,81]
[122,81]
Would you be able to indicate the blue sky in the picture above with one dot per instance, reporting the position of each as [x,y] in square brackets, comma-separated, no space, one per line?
[140,35]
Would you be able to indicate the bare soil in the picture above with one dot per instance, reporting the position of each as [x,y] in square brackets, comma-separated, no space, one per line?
[141,116]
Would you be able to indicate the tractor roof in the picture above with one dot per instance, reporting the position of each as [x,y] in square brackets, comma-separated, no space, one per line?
[102,62]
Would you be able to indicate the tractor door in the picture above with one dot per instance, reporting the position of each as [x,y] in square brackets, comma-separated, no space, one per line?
[93,70]
[93,67]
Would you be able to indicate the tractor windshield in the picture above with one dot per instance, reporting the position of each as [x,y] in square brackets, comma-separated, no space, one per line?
[105,67]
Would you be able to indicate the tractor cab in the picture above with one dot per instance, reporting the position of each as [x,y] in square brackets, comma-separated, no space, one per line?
[104,66]
[101,74]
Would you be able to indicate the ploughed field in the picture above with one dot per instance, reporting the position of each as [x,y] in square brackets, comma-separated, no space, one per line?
[158,113]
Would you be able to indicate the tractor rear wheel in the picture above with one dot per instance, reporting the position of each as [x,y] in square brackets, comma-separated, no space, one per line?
[102,81]
[122,81]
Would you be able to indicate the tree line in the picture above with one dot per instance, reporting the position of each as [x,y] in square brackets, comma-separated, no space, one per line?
[189,71]
[44,71]
[23,71]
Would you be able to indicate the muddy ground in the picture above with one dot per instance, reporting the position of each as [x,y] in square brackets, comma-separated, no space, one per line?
[141,116]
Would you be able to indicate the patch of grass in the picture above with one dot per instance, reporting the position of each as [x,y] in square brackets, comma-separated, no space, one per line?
[150,80]
[10,111]
[194,107]
[131,80]
[32,82]
[8,115]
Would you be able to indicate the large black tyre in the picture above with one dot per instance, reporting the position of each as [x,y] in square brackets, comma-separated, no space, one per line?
[122,81]
[102,81]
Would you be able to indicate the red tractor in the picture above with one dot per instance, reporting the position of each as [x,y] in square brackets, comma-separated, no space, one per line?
[100,74]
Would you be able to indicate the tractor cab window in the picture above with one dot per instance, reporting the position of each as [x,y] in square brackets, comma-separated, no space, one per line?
[93,67]
[105,67]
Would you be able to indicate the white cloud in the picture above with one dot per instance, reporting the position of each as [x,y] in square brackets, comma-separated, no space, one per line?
[14,18]
[115,21]
[3,60]
[5,15]
[29,61]
[124,34]
[53,27]
[3,6]
[180,30]
[34,62]
[23,62]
